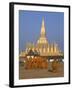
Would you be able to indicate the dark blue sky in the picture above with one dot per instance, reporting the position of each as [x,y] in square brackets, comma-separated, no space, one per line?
[30,26]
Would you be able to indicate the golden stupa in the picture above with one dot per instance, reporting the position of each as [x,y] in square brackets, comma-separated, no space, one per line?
[42,45]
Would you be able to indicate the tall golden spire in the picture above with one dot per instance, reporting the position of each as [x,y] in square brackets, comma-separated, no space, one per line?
[43,29]
[42,40]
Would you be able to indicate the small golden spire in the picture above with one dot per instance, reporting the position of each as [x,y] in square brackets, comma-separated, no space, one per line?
[43,22]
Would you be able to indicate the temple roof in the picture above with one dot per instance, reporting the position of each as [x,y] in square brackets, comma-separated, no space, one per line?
[32,53]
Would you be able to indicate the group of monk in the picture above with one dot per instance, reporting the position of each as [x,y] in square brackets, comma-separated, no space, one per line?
[36,63]
[41,63]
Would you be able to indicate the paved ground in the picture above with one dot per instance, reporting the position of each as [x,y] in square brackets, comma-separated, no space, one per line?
[40,73]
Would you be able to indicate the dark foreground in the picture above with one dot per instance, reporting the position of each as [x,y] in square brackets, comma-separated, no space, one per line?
[39,73]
